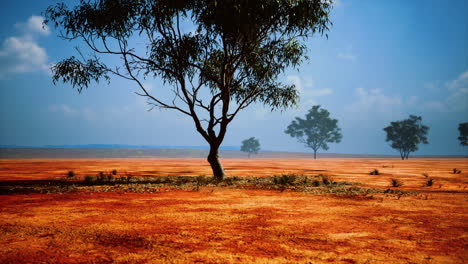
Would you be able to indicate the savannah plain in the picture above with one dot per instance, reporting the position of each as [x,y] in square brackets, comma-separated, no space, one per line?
[357,218]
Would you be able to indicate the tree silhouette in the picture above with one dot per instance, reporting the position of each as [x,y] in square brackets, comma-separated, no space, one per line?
[251,145]
[405,135]
[217,56]
[316,130]
[463,129]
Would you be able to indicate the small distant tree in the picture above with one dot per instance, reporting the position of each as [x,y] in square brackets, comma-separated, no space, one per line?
[316,130]
[251,145]
[463,129]
[407,134]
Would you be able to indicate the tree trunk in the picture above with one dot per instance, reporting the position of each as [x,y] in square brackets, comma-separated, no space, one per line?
[315,154]
[248,155]
[213,159]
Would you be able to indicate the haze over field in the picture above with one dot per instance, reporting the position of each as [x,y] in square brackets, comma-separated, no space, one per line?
[382,61]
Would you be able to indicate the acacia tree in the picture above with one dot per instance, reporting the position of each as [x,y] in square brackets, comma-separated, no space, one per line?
[218,57]
[463,129]
[406,135]
[251,145]
[316,130]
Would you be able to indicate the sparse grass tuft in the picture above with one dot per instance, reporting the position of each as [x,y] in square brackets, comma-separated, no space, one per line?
[374,172]
[395,183]
[430,182]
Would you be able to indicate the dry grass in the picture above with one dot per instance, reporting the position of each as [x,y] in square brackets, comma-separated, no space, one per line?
[252,222]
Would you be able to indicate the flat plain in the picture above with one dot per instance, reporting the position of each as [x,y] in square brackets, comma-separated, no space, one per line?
[413,223]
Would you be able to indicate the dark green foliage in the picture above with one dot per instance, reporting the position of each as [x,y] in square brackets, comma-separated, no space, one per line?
[232,59]
[430,182]
[374,172]
[463,129]
[251,146]
[395,183]
[407,134]
[316,130]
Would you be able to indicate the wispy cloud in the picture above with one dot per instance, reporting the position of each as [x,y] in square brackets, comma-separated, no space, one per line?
[347,54]
[376,104]
[22,53]
[82,113]
[305,86]
[457,98]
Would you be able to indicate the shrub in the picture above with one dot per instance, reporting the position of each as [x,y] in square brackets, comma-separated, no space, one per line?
[430,182]
[89,179]
[374,172]
[114,172]
[71,174]
[315,183]
[456,171]
[395,183]
[327,180]
[425,175]
[285,179]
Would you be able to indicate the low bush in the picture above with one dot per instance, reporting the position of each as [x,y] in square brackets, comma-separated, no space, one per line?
[395,183]
[327,180]
[430,182]
[71,174]
[456,171]
[285,179]
[374,172]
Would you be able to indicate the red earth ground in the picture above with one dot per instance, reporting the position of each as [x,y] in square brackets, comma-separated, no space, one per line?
[226,225]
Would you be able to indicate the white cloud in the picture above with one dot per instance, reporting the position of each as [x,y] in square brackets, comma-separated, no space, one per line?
[457,98]
[375,102]
[34,25]
[20,54]
[305,84]
[319,92]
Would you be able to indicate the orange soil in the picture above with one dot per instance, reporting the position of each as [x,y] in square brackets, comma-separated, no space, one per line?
[220,225]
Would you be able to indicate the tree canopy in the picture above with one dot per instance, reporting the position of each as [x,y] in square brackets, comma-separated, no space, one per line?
[316,130]
[218,57]
[407,134]
[463,130]
[251,146]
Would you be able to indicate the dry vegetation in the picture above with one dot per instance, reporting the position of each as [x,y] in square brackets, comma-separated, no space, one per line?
[323,211]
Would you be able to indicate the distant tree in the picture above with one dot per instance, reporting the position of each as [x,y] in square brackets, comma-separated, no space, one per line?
[251,146]
[218,57]
[407,134]
[316,130]
[463,129]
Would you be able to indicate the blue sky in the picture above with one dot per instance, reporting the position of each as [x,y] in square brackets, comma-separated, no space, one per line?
[383,61]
